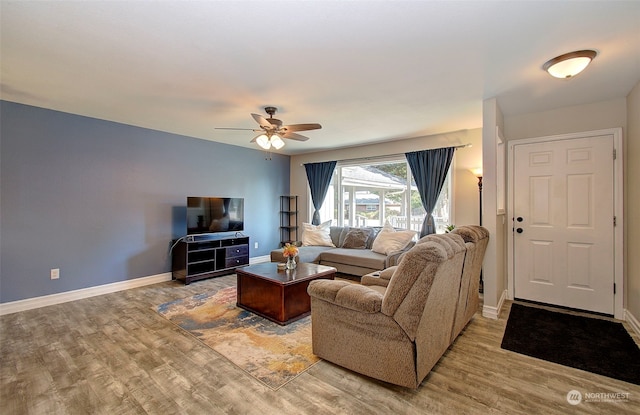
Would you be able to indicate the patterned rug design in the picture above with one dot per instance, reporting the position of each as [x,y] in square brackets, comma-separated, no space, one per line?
[271,353]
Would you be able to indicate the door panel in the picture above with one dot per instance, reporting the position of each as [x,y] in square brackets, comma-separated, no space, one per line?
[564,247]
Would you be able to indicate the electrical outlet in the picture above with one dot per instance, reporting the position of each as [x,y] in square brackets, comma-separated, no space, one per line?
[55,273]
[255,245]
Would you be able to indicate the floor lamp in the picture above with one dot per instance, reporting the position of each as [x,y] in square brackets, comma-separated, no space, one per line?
[478,173]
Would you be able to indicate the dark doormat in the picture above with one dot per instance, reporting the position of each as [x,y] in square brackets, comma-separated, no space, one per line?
[595,345]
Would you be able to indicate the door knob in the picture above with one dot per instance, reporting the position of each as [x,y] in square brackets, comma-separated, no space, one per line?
[519,219]
[519,230]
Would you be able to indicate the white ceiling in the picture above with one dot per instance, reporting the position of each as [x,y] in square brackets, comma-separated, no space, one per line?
[368,71]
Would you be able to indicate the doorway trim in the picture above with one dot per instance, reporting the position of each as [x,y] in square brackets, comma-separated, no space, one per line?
[618,209]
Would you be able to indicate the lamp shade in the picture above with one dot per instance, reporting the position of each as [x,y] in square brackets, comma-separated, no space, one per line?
[477,171]
[570,64]
[277,142]
[264,142]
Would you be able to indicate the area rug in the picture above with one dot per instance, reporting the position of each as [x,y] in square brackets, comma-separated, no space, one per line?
[595,345]
[271,353]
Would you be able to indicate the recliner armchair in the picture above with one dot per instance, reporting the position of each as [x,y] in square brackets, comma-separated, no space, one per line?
[395,333]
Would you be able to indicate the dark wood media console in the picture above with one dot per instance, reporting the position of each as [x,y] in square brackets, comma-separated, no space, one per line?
[204,257]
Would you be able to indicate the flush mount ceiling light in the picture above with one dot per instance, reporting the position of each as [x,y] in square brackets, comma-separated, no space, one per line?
[570,64]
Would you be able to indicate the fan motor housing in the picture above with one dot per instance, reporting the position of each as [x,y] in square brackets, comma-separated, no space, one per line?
[273,121]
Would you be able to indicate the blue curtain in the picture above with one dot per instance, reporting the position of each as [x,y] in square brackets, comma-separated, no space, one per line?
[319,177]
[429,169]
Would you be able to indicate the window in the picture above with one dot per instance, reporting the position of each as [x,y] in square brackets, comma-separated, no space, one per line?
[370,194]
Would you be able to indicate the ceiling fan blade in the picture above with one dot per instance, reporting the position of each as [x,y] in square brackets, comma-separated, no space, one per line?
[237,129]
[294,136]
[301,127]
[263,122]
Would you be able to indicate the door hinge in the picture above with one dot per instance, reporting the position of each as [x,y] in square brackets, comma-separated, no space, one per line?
[615,221]
[615,153]
[614,287]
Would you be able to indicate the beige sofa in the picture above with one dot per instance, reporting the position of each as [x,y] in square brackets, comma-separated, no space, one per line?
[346,260]
[395,329]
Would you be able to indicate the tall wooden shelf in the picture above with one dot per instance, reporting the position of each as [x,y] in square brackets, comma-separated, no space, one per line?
[288,219]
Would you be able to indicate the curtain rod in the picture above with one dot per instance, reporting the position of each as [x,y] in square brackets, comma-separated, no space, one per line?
[374,158]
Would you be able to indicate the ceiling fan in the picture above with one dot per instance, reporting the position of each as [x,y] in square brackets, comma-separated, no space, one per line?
[272,131]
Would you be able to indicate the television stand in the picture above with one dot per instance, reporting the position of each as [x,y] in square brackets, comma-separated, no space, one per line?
[206,257]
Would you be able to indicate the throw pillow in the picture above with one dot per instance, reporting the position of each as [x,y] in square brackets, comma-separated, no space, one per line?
[343,235]
[389,240]
[316,235]
[356,239]
[373,232]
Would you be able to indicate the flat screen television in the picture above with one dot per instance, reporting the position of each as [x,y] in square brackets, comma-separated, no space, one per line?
[214,214]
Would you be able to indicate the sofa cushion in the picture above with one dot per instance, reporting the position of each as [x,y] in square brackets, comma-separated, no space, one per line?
[335,232]
[390,240]
[345,294]
[356,239]
[316,235]
[357,257]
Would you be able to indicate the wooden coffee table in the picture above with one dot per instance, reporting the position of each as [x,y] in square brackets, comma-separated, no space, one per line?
[279,295]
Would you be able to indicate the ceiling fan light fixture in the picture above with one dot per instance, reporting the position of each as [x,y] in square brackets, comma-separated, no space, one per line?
[277,142]
[274,131]
[264,142]
[570,64]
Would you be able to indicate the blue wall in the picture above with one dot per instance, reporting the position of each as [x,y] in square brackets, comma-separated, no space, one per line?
[102,200]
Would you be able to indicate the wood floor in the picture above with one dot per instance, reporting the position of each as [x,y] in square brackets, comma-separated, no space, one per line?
[113,354]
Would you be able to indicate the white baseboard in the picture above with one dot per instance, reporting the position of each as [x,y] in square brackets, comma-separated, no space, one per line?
[494,312]
[633,322]
[47,300]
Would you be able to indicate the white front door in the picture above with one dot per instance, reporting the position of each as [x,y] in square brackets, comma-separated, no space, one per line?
[563,220]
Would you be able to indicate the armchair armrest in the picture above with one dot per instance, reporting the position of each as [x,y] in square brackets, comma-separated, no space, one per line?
[386,273]
[379,278]
[345,294]
[369,280]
